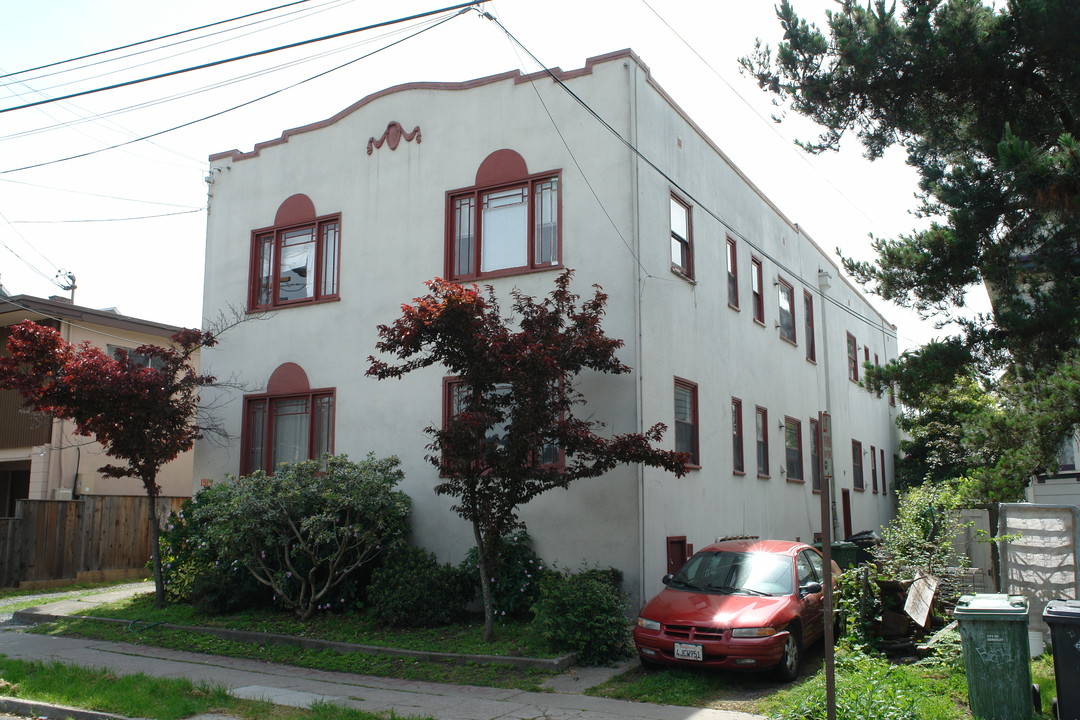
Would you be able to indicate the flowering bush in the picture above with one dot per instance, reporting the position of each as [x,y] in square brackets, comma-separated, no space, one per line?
[516,582]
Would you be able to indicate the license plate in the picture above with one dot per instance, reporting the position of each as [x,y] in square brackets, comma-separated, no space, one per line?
[688,651]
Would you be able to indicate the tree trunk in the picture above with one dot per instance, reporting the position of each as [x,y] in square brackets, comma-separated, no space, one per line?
[485,584]
[993,518]
[155,551]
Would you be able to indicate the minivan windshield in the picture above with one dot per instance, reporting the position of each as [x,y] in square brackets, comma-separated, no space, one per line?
[750,573]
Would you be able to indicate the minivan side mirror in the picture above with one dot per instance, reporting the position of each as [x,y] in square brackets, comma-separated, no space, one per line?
[667,578]
[810,588]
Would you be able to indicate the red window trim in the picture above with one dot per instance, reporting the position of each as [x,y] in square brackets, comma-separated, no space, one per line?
[758,296]
[852,358]
[763,413]
[695,455]
[809,327]
[268,443]
[737,436]
[781,284]
[788,420]
[476,191]
[275,263]
[858,482]
[733,273]
[686,271]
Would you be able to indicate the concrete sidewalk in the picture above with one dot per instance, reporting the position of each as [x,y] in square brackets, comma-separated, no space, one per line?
[300,687]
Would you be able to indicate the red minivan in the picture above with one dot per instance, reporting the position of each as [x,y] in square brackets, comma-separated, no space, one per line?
[737,604]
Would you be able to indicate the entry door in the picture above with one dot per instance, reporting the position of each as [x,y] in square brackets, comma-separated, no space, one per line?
[845,499]
[676,553]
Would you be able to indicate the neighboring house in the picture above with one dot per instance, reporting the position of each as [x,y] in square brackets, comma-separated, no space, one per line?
[738,326]
[1063,486]
[42,458]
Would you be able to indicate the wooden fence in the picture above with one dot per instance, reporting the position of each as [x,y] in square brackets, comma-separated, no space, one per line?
[88,538]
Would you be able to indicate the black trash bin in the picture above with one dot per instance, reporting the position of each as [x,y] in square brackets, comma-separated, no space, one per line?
[864,545]
[1063,617]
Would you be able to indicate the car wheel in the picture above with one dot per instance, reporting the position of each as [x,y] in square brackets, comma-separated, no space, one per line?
[788,669]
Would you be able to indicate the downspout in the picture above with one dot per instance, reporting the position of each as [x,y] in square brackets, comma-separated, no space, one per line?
[635,233]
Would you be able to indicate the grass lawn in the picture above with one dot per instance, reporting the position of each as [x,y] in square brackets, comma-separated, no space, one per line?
[463,638]
[144,696]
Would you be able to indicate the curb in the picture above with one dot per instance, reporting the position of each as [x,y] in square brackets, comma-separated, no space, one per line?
[37,709]
[32,617]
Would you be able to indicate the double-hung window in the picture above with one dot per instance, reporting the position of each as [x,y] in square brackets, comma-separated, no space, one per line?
[505,229]
[852,358]
[793,449]
[738,463]
[761,430]
[815,455]
[455,400]
[873,468]
[296,264]
[286,428]
[857,480]
[786,298]
[686,420]
[808,327]
[732,274]
[757,291]
[682,247]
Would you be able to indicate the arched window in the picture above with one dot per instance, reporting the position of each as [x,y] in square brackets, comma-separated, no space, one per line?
[290,422]
[296,260]
[507,223]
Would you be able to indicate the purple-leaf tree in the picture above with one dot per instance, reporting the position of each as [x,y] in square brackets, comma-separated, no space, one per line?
[512,433]
[143,414]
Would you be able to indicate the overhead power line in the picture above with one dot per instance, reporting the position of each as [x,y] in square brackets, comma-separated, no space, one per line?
[144,42]
[245,56]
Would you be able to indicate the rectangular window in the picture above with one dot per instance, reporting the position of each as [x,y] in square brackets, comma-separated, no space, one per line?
[295,265]
[503,230]
[786,298]
[682,247]
[884,488]
[815,455]
[856,466]
[686,420]
[288,429]
[455,398]
[866,354]
[852,358]
[756,290]
[761,420]
[873,468]
[793,449]
[738,463]
[732,274]
[139,360]
[808,327]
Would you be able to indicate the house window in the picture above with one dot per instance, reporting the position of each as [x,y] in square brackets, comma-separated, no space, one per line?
[815,455]
[288,428]
[808,327]
[786,296]
[793,449]
[738,463]
[866,354]
[732,274]
[852,358]
[856,466]
[884,489]
[873,468]
[455,397]
[295,264]
[682,246]
[686,420]
[139,360]
[1066,455]
[508,223]
[756,291]
[761,419]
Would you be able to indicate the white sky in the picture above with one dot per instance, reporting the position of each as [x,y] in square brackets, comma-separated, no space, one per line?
[152,268]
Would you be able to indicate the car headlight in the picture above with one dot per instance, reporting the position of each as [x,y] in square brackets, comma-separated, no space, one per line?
[648,624]
[753,632]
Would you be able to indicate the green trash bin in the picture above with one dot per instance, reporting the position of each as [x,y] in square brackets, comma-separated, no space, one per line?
[993,629]
[843,553]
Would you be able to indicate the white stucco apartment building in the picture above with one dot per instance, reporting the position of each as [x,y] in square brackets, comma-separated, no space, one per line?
[738,326]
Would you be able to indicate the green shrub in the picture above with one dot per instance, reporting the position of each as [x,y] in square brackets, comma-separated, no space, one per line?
[516,587]
[858,606]
[583,613]
[921,534]
[411,589]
